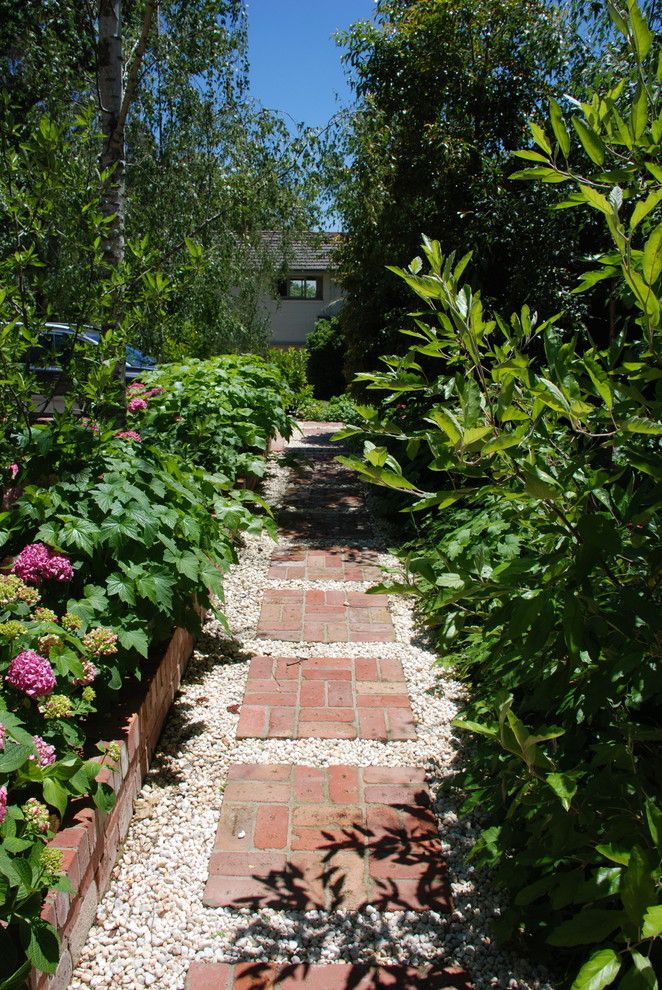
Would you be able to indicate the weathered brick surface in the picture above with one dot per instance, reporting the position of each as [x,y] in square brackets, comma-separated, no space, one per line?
[327,698]
[335,976]
[317,616]
[346,564]
[299,838]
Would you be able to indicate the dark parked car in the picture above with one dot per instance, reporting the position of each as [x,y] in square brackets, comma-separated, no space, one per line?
[49,360]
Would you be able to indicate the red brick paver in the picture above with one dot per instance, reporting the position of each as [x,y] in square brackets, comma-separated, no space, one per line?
[336,976]
[298,615]
[326,698]
[324,565]
[300,838]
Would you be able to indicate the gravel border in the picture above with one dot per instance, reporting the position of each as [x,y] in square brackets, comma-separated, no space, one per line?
[152,924]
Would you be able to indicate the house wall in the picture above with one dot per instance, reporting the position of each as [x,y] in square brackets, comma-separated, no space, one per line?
[291,320]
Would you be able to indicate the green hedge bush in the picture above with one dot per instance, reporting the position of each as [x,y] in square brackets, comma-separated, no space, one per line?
[538,555]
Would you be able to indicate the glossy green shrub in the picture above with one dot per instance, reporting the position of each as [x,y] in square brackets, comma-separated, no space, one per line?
[538,554]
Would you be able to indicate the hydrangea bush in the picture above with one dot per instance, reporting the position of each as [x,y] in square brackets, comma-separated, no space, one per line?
[114,537]
[48,663]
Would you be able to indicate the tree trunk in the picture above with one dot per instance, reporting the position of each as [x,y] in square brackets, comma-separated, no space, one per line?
[111,94]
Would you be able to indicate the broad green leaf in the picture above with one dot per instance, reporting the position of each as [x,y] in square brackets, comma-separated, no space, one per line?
[447,422]
[644,207]
[651,265]
[540,137]
[643,36]
[591,143]
[637,887]
[43,945]
[639,113]
[538,483]
[531,156]
[134,639]
[55,795]
[474,434]
[596,199]
[14,757]
[565,788]
[464,723]
[558,126]
[598,971]
[615,853]
[652,926]
[506,439]
[600,379]
[589,926]
[654,820]
[637,424]
[641,976]
[544,174]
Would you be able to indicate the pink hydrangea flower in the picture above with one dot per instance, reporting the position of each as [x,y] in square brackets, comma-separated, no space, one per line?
[31,674]
[45,752]
[37,561]
[3,803]
[129,435]
[14,470]
[100,641]
[137,405]
[136,385]
[89,673]
[3,733]
[157,390]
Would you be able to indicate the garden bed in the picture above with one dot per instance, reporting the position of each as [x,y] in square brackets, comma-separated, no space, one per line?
[90,838]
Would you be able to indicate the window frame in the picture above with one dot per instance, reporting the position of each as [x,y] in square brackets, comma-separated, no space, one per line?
[284,288]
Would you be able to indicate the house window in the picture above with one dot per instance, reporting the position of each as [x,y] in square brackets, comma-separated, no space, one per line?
[301,288]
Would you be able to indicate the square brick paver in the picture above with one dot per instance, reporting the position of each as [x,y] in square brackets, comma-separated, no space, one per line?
[300,838]
[326,698]
[334,976]
[346,564]
[299,615]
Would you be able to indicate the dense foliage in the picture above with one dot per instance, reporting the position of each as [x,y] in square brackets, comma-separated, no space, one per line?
[207,171]
[534,459]
[111,538]
[443,93]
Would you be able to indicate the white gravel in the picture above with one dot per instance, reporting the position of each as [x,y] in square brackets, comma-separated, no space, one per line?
[151,924]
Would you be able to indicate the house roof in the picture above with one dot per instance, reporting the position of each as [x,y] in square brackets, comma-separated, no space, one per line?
[310,252]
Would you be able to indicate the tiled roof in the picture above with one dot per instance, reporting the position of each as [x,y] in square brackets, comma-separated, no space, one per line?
[310,252]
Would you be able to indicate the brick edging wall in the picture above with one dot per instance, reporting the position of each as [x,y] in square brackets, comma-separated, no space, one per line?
[90,846]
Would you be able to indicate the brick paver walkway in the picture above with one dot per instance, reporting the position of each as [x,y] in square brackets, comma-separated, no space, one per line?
[347,564]
[299,837]
[336,837]
[304,616]
[326,698]
[338,976]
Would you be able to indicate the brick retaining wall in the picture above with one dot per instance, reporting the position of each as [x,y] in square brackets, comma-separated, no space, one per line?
[90,845]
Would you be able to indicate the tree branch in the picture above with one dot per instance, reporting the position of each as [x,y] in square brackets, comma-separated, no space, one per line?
[134,66]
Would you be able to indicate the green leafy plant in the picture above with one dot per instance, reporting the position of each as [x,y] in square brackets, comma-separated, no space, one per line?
[219,414]
[536,484]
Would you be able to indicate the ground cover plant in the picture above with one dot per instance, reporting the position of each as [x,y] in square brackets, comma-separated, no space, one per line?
[532,457]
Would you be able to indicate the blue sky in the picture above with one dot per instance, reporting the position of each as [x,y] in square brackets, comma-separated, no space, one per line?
[295,64]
